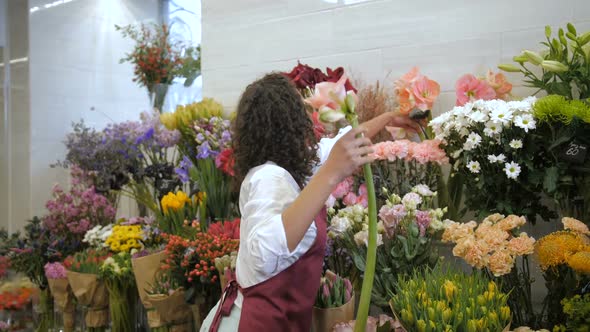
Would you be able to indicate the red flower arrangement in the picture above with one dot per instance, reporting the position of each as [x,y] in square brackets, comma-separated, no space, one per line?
[305,76]
[156,59]
[192,262]
[231,229]
[225,161]
[16,299]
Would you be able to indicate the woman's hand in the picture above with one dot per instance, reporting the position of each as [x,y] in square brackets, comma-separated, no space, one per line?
[402,121]
[349,153]
[373,126]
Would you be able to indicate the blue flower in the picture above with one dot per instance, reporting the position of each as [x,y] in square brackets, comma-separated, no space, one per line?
[183,169]
[204,151]
[149,134]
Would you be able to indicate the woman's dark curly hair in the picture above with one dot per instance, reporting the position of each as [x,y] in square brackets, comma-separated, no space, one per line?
[272,124]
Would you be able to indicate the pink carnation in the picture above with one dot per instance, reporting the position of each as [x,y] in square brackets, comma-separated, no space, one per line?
[428,151]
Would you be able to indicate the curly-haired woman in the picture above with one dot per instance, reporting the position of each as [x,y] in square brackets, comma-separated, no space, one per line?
[286,176]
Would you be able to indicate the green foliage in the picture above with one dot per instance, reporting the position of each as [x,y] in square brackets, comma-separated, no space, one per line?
[31,252]
[395,257]
[577,309]
[564,64]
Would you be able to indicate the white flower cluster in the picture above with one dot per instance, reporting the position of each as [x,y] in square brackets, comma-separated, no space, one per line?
[355,217]
[468,127]
[97,236]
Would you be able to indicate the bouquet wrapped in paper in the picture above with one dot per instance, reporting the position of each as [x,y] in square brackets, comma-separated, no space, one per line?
[334,303]
[62,293]
[168,299]
[88,288]
[144,269]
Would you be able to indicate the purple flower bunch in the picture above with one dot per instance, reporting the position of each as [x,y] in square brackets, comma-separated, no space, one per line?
[212,136]
[55,271]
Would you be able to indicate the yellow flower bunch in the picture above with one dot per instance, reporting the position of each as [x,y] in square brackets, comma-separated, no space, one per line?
[124,238]
[445,300]
[178,210]
[185,115]
[570,246]
[174,201]
[580,261]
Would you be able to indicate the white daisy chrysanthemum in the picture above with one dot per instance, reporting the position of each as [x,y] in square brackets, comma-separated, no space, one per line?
[473,141]
[516,144]
[473,166]
[496,159]
[512,170]
[492,128]
[501,115]
[478,116]
[525,122]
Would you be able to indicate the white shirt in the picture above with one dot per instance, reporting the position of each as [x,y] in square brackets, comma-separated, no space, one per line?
[267,190]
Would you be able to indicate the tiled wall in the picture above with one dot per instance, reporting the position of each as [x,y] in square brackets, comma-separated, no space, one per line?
[374,39]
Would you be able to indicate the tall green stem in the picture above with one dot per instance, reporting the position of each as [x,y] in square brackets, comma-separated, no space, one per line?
[367,288]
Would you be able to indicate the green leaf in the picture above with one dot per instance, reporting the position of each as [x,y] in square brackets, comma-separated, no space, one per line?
[359,262]
[571,29]
[551,178]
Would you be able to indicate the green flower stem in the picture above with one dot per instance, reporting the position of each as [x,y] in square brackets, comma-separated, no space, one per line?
[367,288]
[46,310]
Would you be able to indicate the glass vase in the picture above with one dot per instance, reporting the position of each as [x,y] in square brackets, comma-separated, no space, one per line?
[44,311]
[157,95]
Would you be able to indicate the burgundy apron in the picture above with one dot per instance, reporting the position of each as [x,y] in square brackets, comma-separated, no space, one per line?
[285,301]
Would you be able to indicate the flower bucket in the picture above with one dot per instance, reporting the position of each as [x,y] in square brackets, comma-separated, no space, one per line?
[324,319]
[93,295]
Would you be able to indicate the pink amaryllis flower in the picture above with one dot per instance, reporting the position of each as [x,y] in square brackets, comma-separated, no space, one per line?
[469,88]
[414,90]
[425,92]
[499,83]
[332,100]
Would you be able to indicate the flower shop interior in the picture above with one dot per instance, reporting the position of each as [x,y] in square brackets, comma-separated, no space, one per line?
[120,199]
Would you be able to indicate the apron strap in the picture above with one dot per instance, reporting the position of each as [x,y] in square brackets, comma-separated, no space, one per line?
[225,305]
